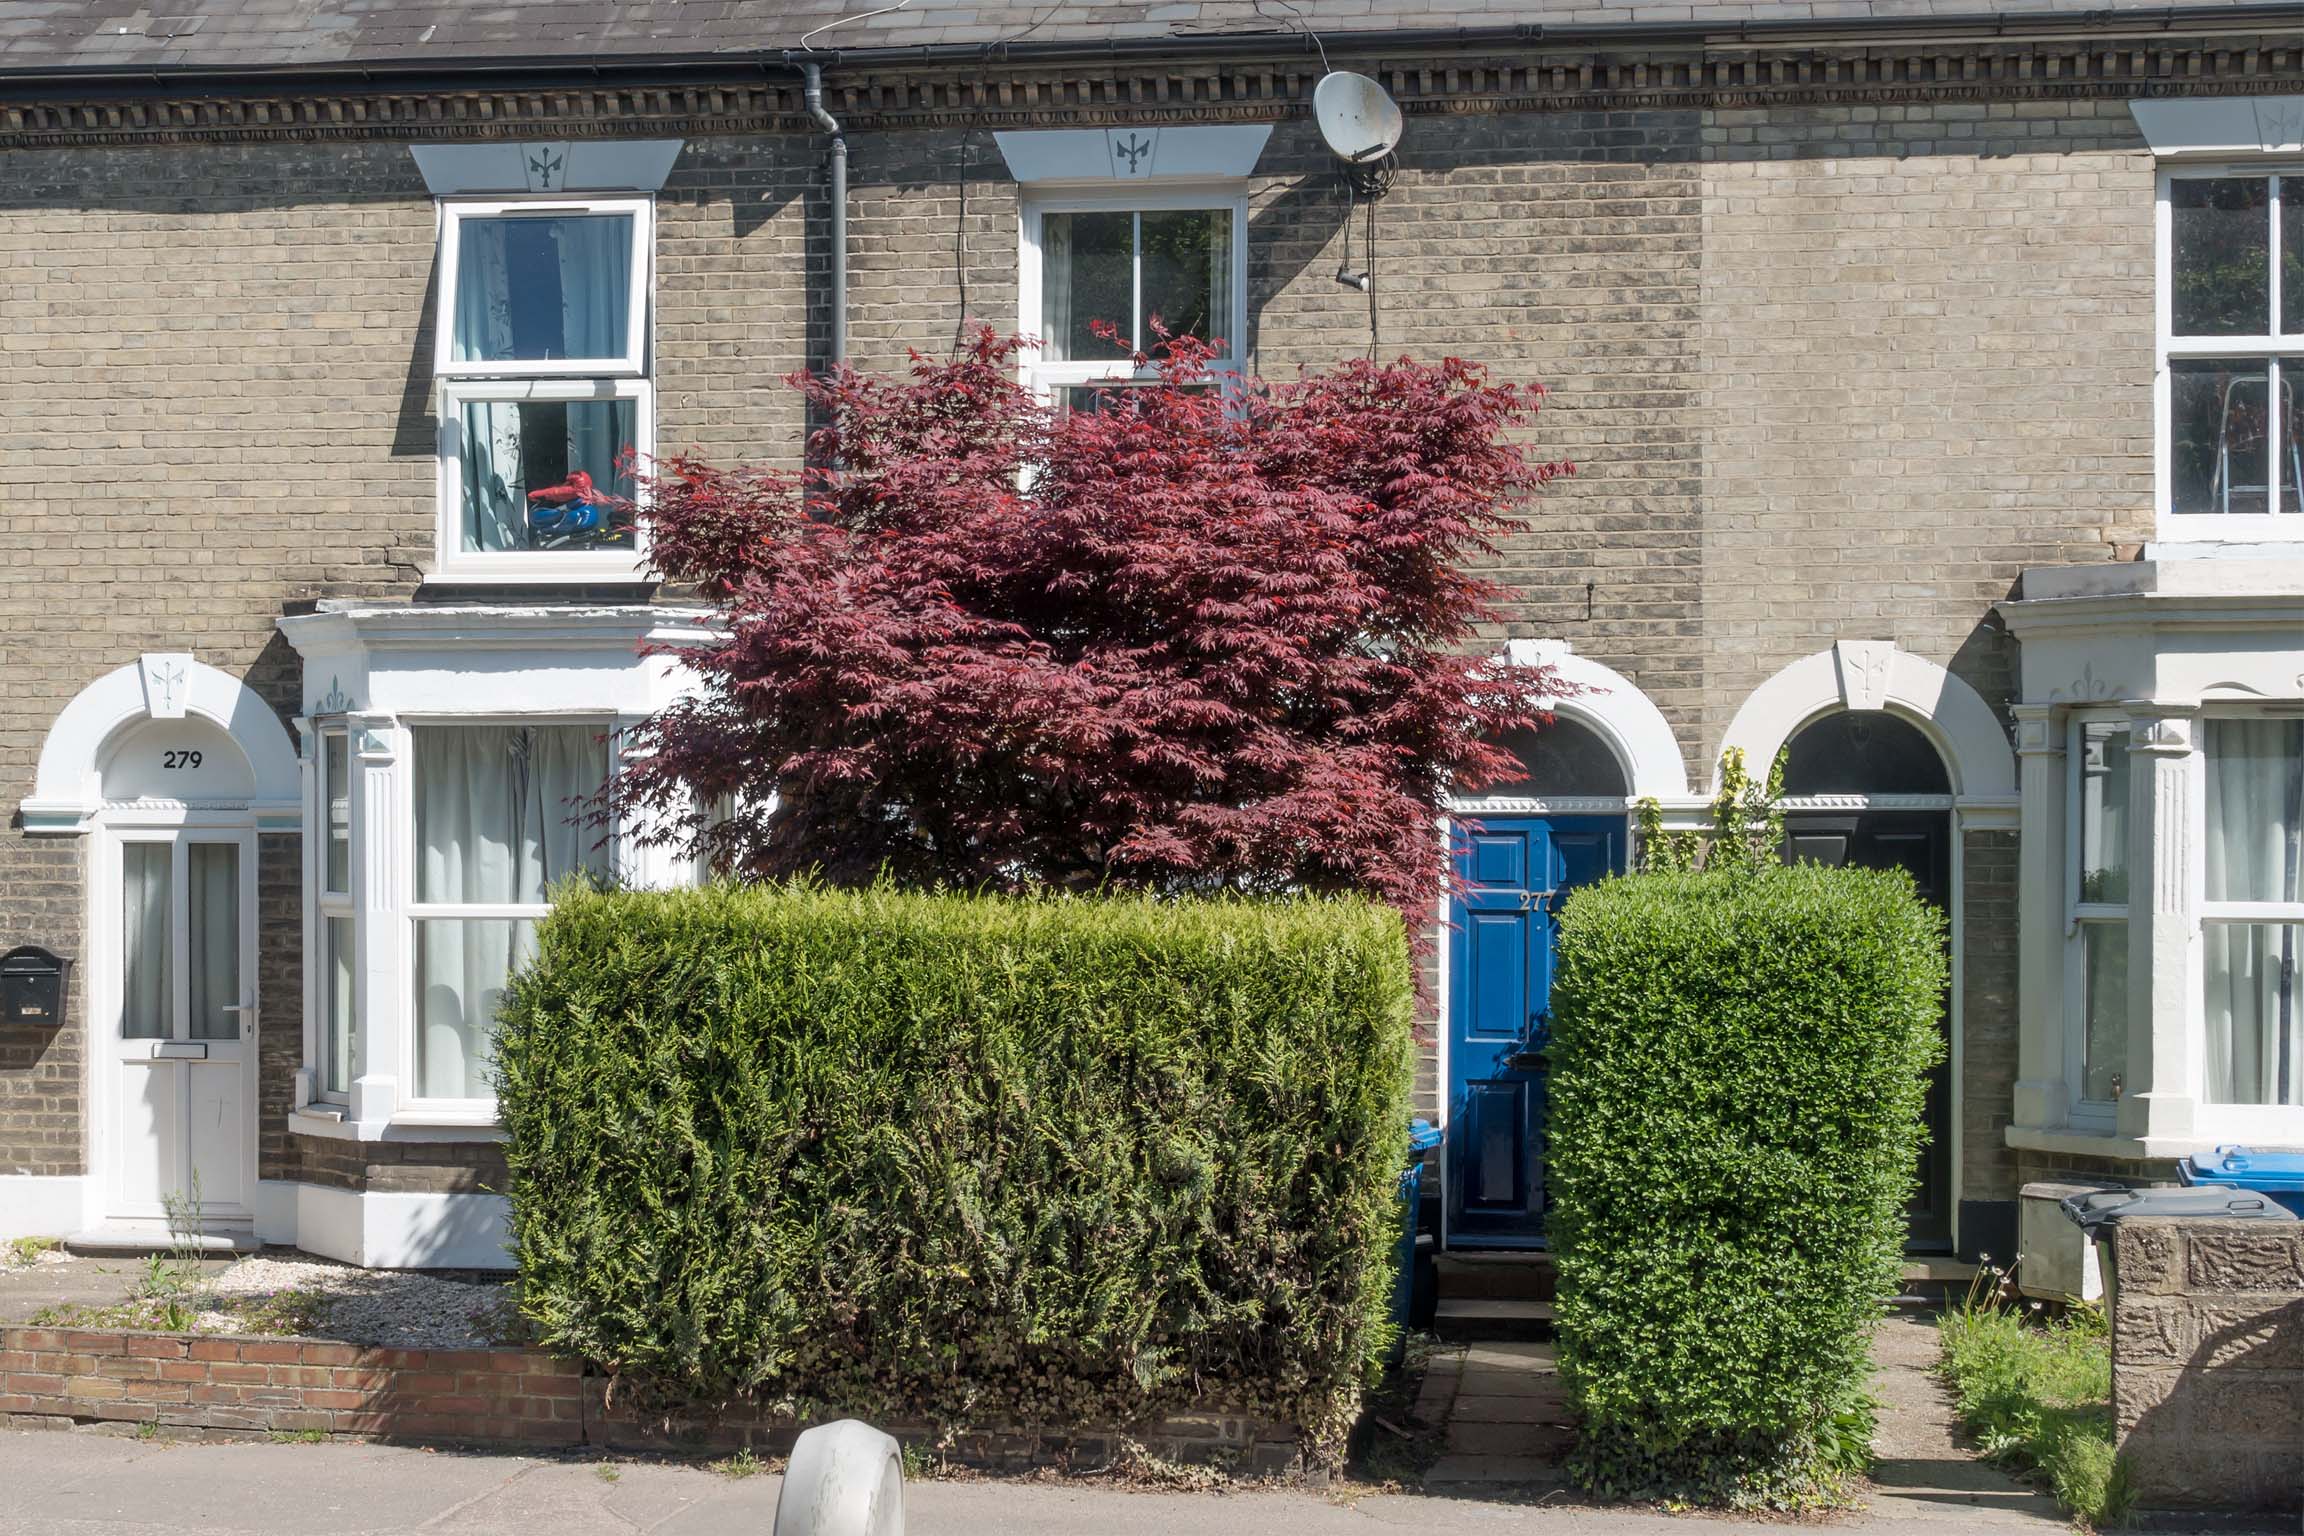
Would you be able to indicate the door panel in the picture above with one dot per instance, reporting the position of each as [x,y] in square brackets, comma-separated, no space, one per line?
[1919,843]
[181,1057]
[1500,983]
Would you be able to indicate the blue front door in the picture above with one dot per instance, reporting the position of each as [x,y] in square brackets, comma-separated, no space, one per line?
[1514,869]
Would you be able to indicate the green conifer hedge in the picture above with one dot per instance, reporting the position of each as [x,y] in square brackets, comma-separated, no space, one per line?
[969,1160]
[1737,1087]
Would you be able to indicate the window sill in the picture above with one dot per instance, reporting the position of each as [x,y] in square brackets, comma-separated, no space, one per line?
[2106,1144]
[328,1122]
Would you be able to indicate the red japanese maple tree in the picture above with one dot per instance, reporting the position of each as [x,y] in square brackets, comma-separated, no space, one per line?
[1186,640]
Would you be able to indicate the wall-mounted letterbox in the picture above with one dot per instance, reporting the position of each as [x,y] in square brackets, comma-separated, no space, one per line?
[32,986]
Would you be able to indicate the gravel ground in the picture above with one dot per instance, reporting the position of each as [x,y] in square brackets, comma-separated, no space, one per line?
[368,1306]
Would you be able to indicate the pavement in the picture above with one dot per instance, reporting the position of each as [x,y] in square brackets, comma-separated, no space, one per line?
[1496,1406]
[55,1483]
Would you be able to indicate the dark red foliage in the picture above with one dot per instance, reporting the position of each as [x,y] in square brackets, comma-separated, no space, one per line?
[1187,641]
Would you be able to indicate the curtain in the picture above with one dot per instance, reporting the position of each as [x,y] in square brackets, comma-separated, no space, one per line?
[494,826]
[531,289]
[2255,837]
[340,1054]
[483,324]
[212,889]
[1056,287]
[144,1003]
[495,495]
[595,285]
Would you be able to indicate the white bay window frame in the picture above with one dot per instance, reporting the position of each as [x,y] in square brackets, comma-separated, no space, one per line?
[2283,354]
[2083,913]
[1048,376]
[410,667]
[625,375]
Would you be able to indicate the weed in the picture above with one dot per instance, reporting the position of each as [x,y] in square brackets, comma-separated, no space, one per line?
[2035,1388]
[19,1251]
[606,1473]
[148,1430]
[918,1464]
[739,1466]
[298,1437]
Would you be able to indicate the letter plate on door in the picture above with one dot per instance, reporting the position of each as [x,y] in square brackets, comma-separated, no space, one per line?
[180,1050]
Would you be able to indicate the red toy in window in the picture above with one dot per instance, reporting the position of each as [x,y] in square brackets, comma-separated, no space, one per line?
[571,507]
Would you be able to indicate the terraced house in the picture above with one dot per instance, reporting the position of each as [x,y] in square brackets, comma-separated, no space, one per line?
[1932,377]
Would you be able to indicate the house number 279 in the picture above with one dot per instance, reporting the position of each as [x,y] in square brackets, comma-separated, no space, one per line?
[182,758]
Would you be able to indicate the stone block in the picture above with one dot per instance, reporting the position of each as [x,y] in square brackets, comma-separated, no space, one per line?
[2152,1330]
[2242,1256]
[2147,1258]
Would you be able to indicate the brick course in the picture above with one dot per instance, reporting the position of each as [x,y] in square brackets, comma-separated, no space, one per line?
[518,1397]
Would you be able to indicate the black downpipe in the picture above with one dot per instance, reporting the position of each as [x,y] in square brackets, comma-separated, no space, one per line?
[812,92]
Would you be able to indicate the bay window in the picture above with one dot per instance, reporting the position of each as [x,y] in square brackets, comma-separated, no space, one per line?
[1130,261]
[2232,343]
[545,395]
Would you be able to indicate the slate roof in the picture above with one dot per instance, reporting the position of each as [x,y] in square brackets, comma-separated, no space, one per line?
[110,35]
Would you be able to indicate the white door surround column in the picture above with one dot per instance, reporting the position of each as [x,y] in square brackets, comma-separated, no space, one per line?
[2042,1097]
[2157,1100]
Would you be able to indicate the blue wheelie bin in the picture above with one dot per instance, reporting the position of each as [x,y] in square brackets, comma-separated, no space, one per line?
[2278,1174]
[1412,1280]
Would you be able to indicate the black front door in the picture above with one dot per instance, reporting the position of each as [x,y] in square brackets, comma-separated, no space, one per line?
[1920,843]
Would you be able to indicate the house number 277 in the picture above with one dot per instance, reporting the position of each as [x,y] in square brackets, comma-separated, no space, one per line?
[181,758]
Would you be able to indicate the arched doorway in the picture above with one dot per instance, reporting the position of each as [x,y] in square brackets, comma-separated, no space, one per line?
[169,768]
[1866,788]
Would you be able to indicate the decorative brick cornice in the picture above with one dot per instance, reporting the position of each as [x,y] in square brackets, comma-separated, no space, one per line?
[1530,79]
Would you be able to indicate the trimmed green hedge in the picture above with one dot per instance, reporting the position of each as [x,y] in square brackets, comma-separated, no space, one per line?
[973,1160]
[1736,1109]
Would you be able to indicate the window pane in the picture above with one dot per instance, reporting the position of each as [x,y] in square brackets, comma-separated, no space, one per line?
[543,288]
[2250,977]
[145,1001]
[2104,1001]
[1563,758]
[1096,399]
[336,773]
[496,819]
[2222,235]
[545,474]
[2290,373]
[461,967]
[2217,426]
[1188,274]
[2292,255]
[2104,811]
[340,1057]
[1864,752]
[1087,273]
[212,895]
[2255,799]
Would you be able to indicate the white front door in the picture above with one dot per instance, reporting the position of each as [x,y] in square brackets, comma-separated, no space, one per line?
[180,1060]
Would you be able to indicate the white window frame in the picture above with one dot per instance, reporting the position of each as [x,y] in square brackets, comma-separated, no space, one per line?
[414,1108]
[332,738]
[1046,377]
[506,567]
[629,376]
[2087,1114]
[2285,352]
[632,362]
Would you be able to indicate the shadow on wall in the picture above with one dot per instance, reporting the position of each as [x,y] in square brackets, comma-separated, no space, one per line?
[2225,1430]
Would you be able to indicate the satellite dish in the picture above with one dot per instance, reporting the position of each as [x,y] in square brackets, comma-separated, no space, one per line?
[1356,117]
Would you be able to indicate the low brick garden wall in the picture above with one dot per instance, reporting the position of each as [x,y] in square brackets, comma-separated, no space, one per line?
[2208,1363]
[504,1397]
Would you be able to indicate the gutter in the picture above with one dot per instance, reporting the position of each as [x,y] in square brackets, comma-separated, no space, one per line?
[812,92]
[744,66]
